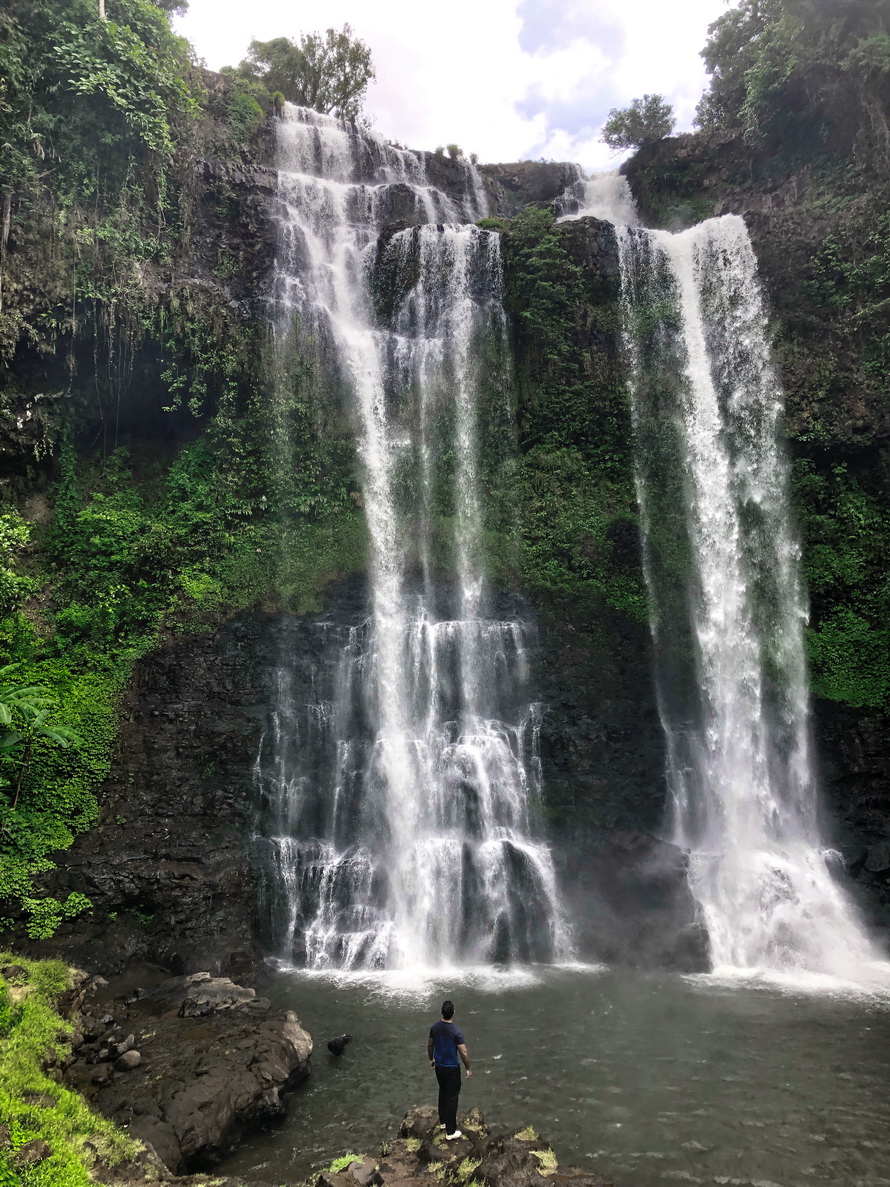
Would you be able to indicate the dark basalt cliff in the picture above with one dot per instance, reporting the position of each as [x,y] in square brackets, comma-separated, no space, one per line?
[170,869]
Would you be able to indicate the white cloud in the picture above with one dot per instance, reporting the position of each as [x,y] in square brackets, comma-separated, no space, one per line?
[475,74]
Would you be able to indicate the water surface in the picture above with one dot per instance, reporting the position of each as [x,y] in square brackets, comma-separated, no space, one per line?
[654,1079]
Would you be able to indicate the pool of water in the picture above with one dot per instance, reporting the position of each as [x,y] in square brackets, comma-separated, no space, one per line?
[654,1079]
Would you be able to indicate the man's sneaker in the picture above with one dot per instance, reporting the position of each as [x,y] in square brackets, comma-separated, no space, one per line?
[441,1125]
[451,1137]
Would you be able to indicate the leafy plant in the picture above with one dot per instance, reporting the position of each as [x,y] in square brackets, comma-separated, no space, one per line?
[802,76]
[25,710]
[341,1163]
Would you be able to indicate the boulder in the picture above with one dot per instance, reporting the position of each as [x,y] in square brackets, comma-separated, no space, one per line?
[127,1061]
[206,995]
[33,1152]
[196,1084]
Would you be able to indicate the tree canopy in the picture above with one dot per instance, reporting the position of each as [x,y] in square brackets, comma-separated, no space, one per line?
[328,72]
[803,72]
[647,119]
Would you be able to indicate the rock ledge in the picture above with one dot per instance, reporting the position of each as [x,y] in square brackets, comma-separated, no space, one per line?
[482,1157]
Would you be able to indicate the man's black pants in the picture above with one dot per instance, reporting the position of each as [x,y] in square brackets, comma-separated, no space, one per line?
[449,1091]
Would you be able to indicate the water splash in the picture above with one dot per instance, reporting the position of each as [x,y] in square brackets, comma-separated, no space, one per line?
[401,822]
[727,608]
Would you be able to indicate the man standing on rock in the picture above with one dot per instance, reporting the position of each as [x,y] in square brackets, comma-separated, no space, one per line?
[445,1044]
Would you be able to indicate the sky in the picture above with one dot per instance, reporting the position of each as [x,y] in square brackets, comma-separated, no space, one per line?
[508,79]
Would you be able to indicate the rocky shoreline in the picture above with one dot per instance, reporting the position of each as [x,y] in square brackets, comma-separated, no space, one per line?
[186,1067]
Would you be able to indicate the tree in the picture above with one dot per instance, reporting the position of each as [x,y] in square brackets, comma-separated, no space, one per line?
[329,73]
[645,121]
[802,75]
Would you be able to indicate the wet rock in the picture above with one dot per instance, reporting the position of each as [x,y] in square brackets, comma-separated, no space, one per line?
[338,1046]
[127,1061]
[877,860]
[4,1137]
[634,906]
[364,1172]
[124,1046]
[206,995]
[527,183]
[421,1156]
[14,972]
[196,1085]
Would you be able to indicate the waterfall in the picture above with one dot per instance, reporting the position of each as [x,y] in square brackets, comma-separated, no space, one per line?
[401,820]
[727,608]
[605,196]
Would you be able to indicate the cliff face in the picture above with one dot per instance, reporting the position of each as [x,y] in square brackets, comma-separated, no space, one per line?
[177,507]
[175,877]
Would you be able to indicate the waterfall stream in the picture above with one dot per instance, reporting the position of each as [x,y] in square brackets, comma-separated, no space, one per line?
[727,608]
[401,823]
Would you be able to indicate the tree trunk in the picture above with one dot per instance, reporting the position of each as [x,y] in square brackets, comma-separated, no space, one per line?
[102,10]
[4,237]
[18,787]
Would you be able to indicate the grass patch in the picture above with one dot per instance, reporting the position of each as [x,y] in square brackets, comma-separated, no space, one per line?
[33,1036]
[547,1163]
[467,1169]
[527,1135]
[341,1163]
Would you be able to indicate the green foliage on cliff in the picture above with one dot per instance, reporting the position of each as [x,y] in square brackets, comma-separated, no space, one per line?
[803,76]
[92,115]
[33,1105]
[847,530]
[141,547]
[573,487]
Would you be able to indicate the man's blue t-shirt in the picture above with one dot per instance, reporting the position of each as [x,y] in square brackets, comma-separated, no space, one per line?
[446,1039]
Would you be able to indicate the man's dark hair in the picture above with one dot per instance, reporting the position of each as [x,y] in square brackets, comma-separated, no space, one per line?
[447,1010]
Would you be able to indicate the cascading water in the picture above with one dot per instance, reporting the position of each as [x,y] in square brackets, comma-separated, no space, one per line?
[727,609]
[400,826]
[602,195]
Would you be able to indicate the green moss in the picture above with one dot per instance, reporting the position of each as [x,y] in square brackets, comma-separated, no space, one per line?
[36,1037]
